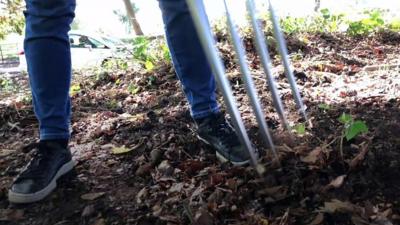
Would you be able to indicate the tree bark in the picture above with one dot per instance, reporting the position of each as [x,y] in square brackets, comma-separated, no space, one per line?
[317,5]
[132,17]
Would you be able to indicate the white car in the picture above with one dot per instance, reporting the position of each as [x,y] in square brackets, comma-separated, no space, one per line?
[89,50]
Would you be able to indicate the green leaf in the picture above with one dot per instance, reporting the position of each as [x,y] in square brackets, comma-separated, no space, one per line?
[75,88]
[133,89]
[300,128]
[120,150]
[149,65]
[324,106]
[356,128]
[345,118]
[118,81]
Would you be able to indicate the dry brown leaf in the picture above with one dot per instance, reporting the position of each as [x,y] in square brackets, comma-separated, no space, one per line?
[144,170]
[92,196]
[203,218]
[336,183]
[338,206]
[11,214]
[177,187]
[313,156]
[141,195]
[120,150]
[318,219]
[360,157]
[100,221]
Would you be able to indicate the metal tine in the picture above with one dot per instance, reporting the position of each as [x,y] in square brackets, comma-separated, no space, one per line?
[249,84]
[196,8]
[262,50]
[285,60]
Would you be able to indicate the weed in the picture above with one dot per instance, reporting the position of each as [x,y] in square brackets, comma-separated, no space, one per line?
[133,89]
[372,21]
[324,106]
[75,88]
[300,128]
[351,129]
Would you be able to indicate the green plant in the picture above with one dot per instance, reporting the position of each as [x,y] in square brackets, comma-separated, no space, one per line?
[141,48]
[329,22]
[351,128]
[373,20]
[133,89]
[149,53]
[112,104]
[75,88]
[7,84]
[324,106]
[11,17]
[115,63]
[151,80]
[294,25]
[394,25]
[300,128]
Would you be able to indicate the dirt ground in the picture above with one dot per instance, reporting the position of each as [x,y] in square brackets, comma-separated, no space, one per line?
[166,176]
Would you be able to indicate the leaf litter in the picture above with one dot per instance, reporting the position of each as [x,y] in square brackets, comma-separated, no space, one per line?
[139,161]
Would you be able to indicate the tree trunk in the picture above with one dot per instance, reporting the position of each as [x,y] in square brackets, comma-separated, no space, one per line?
[317,5]
[132,17]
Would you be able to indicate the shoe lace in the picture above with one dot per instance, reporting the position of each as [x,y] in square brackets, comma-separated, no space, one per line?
[35,168]
[225,131]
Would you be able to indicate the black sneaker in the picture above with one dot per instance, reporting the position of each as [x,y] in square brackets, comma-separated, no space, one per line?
[39,177]
[216,131]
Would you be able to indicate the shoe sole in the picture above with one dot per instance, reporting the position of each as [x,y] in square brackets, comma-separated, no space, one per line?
[14,197]
[221,158]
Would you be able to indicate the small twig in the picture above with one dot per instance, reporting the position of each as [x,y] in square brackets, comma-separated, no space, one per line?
[187,154]
[341,146]
[330,143]
[381,67]
[188,211]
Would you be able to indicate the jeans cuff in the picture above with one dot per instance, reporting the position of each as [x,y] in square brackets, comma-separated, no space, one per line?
[52,136]
[205,113]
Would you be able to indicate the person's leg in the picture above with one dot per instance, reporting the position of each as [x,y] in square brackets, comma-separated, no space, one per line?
[189,59]
[48,57]
[198,82]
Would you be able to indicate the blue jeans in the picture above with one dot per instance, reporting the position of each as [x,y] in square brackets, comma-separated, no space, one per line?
[48,57]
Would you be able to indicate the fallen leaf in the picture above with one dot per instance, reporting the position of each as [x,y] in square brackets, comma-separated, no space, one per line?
[203,218]
[338,206]
[263,221]
[165,167]
[170,218]
[277,192]
[11,214]
[120,150]
[144,170]
[217,178]
[360,157]
[141,195]
[191,166]
[177,187]
[156,156]
[313,156]
[100,221]
[92,196]
[336,183]
[318,219]
[123,149]
[88,211]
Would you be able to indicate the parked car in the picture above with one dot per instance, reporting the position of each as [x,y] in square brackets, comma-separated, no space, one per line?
[89,50]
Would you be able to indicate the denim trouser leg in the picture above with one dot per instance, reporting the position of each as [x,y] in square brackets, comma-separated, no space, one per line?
[48,57]
[189,59]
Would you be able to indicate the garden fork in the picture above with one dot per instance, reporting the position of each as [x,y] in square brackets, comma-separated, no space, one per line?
[197,10]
